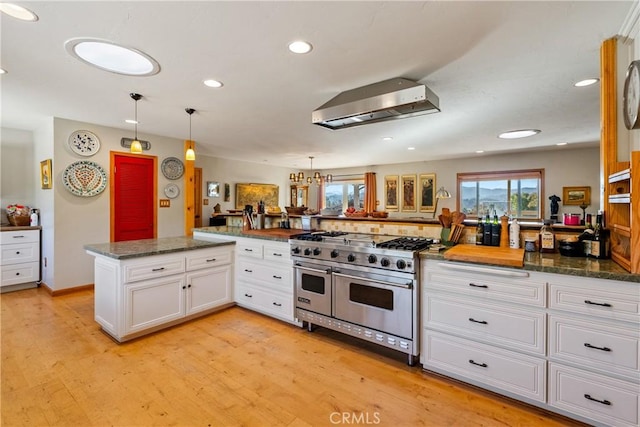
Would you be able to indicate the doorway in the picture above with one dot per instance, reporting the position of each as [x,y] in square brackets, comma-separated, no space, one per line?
[133,209]
[197,197]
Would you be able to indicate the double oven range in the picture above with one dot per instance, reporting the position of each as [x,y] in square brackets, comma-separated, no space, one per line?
[363,285]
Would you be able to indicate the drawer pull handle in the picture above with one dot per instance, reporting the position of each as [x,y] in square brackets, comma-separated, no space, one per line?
[597,348]
[277,277]
[248,250]
[157,269]
[483,322]
[276,254]
[18,237]
[602,304]
[473,285]
[277,304]
[604,402]
[248,295]
[482,365]
[248,271]
[211,260]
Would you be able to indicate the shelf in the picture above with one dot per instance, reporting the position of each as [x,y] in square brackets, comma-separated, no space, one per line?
[620,198]
[623,175]
[622,230]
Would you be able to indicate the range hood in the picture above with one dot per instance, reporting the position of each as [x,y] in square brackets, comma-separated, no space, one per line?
[391,99]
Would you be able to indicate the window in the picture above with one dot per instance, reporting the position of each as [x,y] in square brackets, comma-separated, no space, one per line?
[514,193]
[342,194]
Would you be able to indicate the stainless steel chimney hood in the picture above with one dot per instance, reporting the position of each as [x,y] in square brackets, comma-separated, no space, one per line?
[396,98]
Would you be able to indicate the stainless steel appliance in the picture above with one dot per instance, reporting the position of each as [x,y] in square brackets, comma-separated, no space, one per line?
[362,285]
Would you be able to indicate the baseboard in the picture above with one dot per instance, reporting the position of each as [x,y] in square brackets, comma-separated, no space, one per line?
[58,292]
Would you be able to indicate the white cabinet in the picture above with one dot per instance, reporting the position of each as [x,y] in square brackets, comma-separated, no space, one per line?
[140,295]
[20,259]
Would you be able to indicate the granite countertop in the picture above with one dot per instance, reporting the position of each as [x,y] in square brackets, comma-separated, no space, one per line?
[146,247]
[19,227]
[275,234]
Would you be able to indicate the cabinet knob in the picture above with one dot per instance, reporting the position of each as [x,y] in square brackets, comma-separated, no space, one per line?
[17,252]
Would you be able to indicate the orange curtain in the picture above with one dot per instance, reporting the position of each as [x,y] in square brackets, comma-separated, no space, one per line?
[370,192]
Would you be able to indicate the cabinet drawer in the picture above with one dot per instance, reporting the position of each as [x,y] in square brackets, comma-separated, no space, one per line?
[20,273]
[19,252]
[508,326]
[600,398]
[506,370]
[604,347]
[208,258]
[279,276]
[278,253]
[595,298]
[272,303]
[249,248]
[23,236]
[485,283]
[151,267]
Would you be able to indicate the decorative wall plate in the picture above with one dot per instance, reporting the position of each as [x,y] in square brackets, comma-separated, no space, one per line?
[172,168]
[84,143]
[84,178]
[171,191]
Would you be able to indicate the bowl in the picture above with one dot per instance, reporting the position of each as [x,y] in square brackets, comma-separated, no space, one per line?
[356,214]
[296,210]
[571,248]
[330,212]
[379,214]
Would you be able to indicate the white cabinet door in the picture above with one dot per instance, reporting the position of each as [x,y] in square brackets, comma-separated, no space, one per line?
[207,289]
[153,302]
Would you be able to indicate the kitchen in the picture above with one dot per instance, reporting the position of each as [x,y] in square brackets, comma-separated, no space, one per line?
[90,222]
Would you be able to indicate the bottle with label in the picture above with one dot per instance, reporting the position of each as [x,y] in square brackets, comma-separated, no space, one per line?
[514,234]
[487,231]
[600,243]
[547,240]
[586,237]
[479,232]
[495,230]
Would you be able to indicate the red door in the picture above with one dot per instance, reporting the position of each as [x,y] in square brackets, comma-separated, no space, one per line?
[133,197]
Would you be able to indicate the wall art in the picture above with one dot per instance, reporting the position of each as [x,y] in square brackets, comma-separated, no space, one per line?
[45,174]
[427,192]
[408,191]
[391,192]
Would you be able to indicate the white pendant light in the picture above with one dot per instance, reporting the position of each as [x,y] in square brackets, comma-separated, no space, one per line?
[190,154]
[136,146]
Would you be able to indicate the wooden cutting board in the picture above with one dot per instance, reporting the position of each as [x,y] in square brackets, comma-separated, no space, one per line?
[282,233]
[486,255]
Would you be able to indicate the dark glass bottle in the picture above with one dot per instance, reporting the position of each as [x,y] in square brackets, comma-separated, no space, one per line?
[479,232]
[586,237]
[495,230]
[600,242]
[487,231]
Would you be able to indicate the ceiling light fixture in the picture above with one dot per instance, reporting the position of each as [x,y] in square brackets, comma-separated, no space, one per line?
[3,71]
[387,138]
[514,134]
[586,82]
[300,46]
[136,146]
[112,57]
[316,175]
[562,143]
[411,148]
[18,12]
[212,83]
[190,154]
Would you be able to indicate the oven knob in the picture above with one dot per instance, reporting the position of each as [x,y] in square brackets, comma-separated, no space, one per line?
[316,251]
[296,250]
[351,258]
[384,262]
[307,251]
[372,259]
[401,264]
[334,254]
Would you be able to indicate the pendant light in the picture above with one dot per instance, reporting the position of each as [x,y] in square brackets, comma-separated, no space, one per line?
[299,178]
[136,146]
[190,154]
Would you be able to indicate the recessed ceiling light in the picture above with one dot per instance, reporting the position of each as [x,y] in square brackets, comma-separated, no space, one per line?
[18,12]
[112,57]
[411,148]
[479,151]
[131,121]
[212,83]
[562,143]
[300,47]
[387,138]
[514,134]
[3,71]
[586,82]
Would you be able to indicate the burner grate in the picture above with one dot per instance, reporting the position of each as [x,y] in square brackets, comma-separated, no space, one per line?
[407,244]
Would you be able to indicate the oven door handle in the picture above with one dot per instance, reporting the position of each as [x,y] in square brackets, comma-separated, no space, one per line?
[408,285]
[315,270]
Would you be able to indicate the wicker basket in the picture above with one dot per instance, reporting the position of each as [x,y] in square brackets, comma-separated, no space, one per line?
[21,220]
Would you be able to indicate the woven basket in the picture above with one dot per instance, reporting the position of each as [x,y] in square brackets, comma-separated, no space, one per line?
[19,220]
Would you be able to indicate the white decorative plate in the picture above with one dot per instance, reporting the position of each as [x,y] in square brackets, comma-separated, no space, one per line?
[84,178]
[84,143]
[172,168]
[171,191]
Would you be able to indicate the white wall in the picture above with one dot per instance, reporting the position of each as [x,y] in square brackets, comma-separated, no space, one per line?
[17,177]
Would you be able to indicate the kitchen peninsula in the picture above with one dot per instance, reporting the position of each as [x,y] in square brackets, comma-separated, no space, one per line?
[145,285]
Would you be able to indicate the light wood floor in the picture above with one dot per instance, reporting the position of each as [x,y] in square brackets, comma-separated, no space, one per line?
[232,368]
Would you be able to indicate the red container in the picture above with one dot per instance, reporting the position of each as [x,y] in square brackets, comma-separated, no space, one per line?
[572,219]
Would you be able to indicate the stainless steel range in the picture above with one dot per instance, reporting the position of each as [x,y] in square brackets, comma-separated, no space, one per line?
[362,285]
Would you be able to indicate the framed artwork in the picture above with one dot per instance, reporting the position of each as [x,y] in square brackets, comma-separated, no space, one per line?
[391,192]
[227,192]
[576,196]
[213,189]
[45,174]
[252,194]
[408,191]
[427,192]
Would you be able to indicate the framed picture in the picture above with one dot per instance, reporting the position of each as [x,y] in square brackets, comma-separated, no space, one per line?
[45,174]
[252,194]
[391,192]
[213,189]
[227,192]
[408,191]
[427,192]
[576,196]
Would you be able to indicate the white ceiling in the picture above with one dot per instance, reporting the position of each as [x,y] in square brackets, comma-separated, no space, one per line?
[495,66]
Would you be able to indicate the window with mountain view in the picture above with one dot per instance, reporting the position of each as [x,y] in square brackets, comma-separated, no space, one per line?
[513,193]
[344,194]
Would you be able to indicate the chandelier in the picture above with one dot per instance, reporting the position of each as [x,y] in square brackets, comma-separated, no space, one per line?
[299,177]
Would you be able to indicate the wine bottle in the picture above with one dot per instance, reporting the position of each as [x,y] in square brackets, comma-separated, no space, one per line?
[586,237]
[495,230]
[600,242]
[487,231]
[479,232]
[547,238]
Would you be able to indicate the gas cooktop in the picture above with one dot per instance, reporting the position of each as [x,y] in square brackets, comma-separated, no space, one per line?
[341,238]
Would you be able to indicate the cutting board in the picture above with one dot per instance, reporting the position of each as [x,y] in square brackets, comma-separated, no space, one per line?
[282,233]
[486,255]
